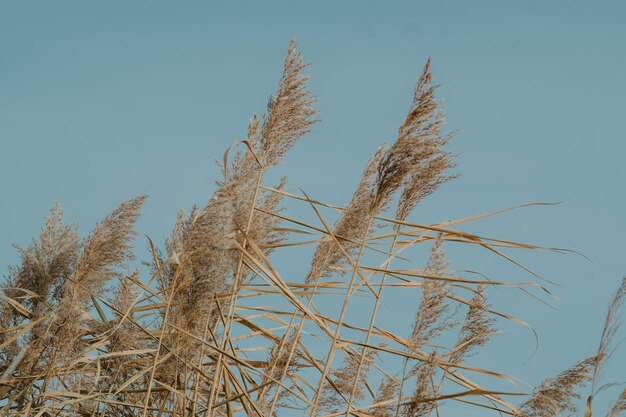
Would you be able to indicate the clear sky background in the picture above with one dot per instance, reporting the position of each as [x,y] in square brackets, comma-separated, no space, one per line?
[103,101]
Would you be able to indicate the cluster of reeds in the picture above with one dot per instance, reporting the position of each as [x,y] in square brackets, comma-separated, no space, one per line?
[210,327]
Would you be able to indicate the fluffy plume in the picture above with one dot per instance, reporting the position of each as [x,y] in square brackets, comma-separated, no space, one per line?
[105,250]
[612,323]
[431,317]
[344,379]
[416,160]
[476,330]
[70,279]
[45,265]
[431,163]
[352,226]
[203,243]
[385,397]
[122,333]
[202,259]
[125,335]
[419,406]
[206,258]
[48,261]
[280,362]
[264,229]
[290,112]
[425,177]
[556,395]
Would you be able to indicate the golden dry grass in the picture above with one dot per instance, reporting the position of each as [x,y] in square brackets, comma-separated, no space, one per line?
[215,330]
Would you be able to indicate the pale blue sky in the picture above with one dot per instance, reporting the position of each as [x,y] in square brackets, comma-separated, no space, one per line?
[102,101]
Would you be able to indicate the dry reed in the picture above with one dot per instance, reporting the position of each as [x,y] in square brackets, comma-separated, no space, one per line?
[211,328]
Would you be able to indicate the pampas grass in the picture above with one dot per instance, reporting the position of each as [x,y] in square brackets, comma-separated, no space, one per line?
[210,327]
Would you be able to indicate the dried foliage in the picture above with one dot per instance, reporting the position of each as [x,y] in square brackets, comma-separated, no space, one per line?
[210,327]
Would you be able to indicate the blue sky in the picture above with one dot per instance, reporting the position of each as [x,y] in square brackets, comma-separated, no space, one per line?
[102,101]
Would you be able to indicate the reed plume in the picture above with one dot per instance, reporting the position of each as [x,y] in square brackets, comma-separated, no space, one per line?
[432,316]
[105,249]
[385,404]
[431,319]
[556,395]
[352,226]
[45,265]
[289,113]
[421,402]
[477,328]
[612,323]
[345,378]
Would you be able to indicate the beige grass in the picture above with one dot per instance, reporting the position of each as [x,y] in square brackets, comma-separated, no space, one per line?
[214,329]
